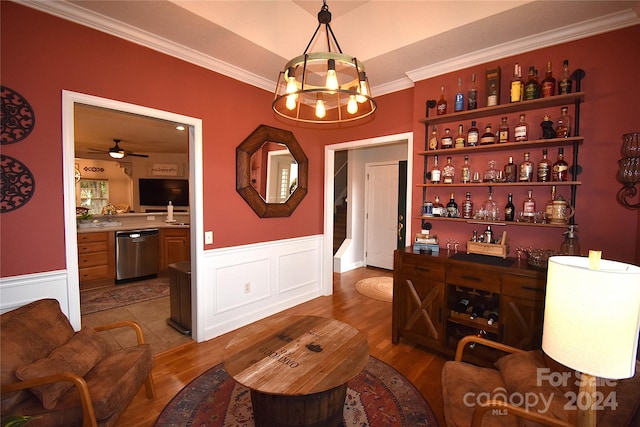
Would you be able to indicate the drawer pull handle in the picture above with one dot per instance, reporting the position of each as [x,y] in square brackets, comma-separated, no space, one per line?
[423,269]
[531,288]
[477,279]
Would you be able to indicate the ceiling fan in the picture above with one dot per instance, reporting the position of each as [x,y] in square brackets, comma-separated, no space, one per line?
[118,153]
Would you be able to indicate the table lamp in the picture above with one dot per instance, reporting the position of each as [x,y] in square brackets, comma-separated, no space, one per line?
[592,321]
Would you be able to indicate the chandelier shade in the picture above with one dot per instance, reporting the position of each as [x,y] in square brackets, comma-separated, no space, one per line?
[323,87]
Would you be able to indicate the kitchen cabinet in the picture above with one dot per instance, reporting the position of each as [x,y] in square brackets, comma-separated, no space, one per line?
[96,259]
[428,288]
[180,296]
[174,246]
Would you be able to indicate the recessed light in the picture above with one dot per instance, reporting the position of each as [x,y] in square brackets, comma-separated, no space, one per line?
[180,127]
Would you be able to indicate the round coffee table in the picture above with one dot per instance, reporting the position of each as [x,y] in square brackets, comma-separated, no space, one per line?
[297,368]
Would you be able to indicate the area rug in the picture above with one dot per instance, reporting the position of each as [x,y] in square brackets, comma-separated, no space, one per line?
[380,288]
[379,396]
[95,300]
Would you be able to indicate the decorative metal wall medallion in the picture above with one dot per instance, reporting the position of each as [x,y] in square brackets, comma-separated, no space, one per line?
[18,118]
[17,184]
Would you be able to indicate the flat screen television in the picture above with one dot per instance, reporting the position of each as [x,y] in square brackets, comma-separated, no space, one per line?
[161,191]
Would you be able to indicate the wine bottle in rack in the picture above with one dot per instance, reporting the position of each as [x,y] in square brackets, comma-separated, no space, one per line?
[464,301]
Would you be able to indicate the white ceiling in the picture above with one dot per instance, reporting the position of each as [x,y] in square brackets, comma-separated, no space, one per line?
[400,42]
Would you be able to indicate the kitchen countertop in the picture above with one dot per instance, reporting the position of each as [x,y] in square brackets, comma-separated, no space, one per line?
[127,222]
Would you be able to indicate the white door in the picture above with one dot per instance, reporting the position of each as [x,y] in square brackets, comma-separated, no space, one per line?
[381,215]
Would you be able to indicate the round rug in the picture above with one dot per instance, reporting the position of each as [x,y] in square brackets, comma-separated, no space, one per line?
[380,288]
[378,396]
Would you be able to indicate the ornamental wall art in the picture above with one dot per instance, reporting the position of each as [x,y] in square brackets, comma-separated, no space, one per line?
[17,116]
[16,184]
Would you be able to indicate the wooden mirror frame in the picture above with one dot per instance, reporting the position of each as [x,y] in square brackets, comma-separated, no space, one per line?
[245,150]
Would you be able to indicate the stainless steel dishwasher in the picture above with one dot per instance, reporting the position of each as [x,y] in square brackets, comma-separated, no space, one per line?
[137,254]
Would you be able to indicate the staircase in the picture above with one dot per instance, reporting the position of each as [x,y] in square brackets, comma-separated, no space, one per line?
[339,226]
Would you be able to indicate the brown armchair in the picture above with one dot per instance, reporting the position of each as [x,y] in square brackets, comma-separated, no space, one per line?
[63,377]
[477,396]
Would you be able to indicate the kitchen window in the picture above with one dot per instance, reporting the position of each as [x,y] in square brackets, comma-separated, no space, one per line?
[94,194]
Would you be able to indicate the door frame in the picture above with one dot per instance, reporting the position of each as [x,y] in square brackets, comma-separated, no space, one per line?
[69,99]
[329,163]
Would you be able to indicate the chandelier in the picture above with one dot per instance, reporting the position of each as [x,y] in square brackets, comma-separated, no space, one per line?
[323,87]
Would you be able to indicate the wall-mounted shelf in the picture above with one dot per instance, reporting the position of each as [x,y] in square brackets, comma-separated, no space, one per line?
[537,143]
[498,223]
[501,184]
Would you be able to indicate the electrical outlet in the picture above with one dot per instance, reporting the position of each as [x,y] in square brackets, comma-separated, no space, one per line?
[151,218]
[247,287]
[208,237]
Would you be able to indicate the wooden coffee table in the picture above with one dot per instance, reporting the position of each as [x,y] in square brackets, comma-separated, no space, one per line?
[297,368]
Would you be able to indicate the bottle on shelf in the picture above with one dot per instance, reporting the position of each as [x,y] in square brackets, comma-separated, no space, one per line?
[464,302]
[458,105]
[548,85]
[467,207]
[544,168]
[548,209]
[447,140]
[521,131]
[441,105]
[563,129]
[570,246]
[480,333]
[460,141]
[509,209]
[492,96]
[531,88]
[448,172]
[560,169]
[517,85]
[433,140]
[529,207]
[438,208]
[493,310]
[452,208]
[503,131]
[565,84]
[547,128]
[472,94]
[491,174]
[489,212]
[465,171]
[526,169]
[479,305]
[510,171]
[435,171]
[488,137]
[473,136]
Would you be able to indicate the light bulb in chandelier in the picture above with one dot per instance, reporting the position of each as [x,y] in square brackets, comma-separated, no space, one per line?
[320,108]
[352,105]
[363,89]
[332,77]
[292,88]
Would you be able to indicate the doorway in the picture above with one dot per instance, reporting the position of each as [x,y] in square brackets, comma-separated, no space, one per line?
[381,214]
[194,128]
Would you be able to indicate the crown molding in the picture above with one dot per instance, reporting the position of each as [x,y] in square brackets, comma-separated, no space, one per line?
[569,33]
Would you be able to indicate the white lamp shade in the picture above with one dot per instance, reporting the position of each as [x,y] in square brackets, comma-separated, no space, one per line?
[592,317]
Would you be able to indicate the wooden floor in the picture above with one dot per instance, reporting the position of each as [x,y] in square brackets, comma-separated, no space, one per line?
[175,368]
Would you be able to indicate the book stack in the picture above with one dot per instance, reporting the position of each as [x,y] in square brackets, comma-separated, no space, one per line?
[426,243]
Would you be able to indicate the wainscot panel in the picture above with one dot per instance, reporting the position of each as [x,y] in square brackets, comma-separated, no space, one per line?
[16,291]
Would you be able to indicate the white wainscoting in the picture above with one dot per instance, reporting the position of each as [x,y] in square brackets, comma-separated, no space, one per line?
[16,291]
[243,284]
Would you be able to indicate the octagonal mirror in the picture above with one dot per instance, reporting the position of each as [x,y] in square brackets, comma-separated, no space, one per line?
[271,172]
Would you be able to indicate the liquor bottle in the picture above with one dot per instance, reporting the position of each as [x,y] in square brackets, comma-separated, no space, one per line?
[467,207]
[547,128]
[452,208]
[531,88]
[478,307]
[447,140]
[492,96]
[448,172]
[490,211]
[465,171]
[435,171]
[510,171]
[509,209]
[548,209]
[529,207]
[488,137]
[473,135]
[438,208]
[560,169]
[472,95]
[433,140]
[517,85]
[460,139]
[563,129]
[459,101]
[521,131]
[565,84]
[441,105]
[464,301]
[526,170]
[503,131]
[548,85]
[544,168]
[493,309]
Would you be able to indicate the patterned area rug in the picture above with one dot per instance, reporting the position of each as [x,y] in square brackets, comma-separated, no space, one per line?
[95,300]
[379,396]
[380,288]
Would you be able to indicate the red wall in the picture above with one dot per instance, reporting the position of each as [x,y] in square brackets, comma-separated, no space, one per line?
[42,55]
